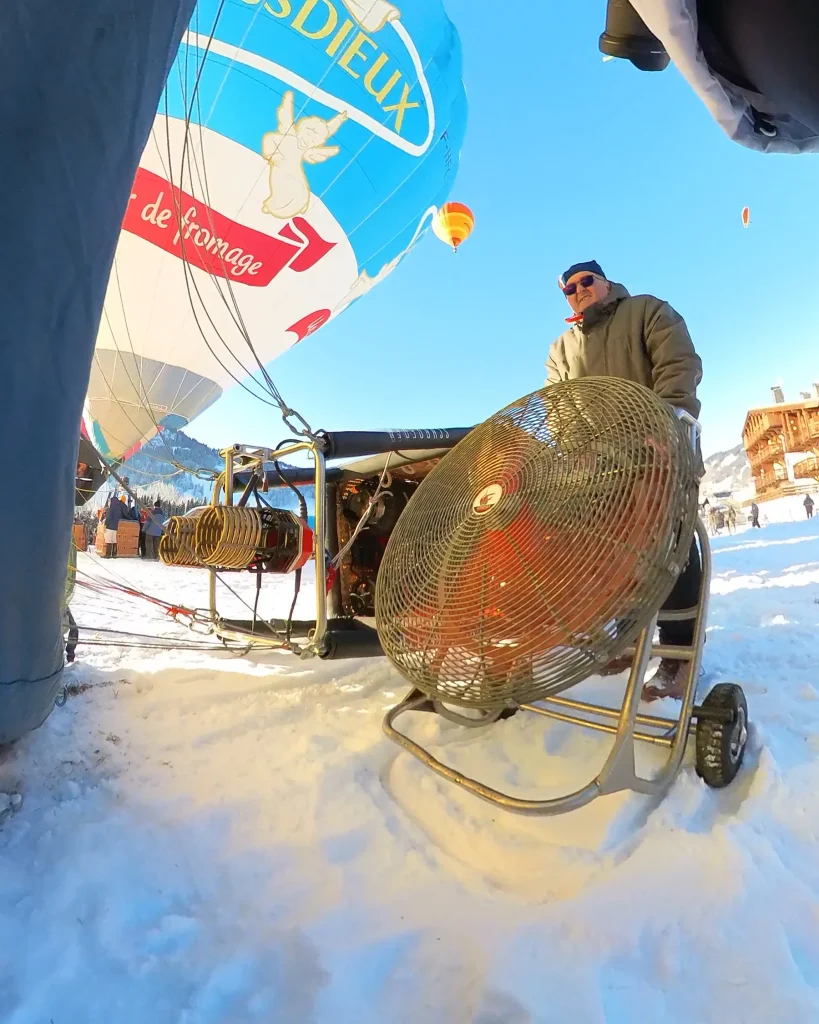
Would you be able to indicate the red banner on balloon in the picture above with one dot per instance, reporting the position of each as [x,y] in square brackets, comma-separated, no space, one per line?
[187,228]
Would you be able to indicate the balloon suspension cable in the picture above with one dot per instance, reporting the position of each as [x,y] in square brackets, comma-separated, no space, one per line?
[305,430]
[132,639]
[302,428]
[380,492]
[179,613]
[297,575]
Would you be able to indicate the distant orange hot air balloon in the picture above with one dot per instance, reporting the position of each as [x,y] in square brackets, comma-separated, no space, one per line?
[453,223]
[746,216]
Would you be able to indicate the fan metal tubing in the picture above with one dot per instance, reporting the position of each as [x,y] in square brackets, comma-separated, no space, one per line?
[619,772]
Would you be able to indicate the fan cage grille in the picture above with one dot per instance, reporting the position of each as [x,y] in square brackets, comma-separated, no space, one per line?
[541,546]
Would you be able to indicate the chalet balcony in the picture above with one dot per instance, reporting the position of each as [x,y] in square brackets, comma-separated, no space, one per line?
[769,476]
[800,429]
[763,454]
[807,469]
[761,426]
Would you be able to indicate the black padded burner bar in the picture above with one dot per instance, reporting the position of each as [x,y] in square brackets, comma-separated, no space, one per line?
[355,444]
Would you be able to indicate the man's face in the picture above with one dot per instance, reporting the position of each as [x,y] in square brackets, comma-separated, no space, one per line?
[583,289]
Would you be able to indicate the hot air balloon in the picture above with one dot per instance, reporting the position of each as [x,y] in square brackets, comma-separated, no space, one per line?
[746,216]
[300,150]
[453,223]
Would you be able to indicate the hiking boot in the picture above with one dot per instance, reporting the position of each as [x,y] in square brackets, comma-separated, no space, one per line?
[617,665]
[667,681]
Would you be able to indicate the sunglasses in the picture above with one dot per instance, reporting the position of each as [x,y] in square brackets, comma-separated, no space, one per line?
[586,281]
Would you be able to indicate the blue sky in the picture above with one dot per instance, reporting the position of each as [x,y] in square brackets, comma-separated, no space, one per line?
[567,158]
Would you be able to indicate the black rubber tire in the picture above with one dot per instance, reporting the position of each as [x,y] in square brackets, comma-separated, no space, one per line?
[721,745]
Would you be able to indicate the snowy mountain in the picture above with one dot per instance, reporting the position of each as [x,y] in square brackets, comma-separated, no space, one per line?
[155,468]
[154,472]
[727,472]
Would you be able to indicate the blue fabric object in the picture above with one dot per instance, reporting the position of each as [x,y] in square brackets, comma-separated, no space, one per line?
[117,511]
[79,87]
[154,523]
[590,266]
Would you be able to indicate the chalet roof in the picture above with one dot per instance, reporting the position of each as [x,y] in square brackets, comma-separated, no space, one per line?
[779,407]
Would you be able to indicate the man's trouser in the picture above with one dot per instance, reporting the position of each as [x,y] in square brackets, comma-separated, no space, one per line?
[684,595]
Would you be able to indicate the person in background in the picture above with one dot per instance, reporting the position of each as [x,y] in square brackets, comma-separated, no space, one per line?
[808,503]
[116,512]
[643,339]
[755,515]
[154,524]
[143,515]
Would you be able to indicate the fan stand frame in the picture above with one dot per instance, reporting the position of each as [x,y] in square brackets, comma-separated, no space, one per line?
[619,772]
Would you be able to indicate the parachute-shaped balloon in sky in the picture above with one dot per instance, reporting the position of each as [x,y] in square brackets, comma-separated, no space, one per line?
[299,151]
[746,216]
[453,223]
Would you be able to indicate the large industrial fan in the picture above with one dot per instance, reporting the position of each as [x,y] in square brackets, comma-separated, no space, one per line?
[538,550]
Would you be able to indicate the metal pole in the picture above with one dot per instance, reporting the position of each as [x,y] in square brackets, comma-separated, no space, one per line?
[217,487]
[317,639]
[665,778]
[228,476]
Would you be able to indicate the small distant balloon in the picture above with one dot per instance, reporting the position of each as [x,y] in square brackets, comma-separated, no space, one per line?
[746,216]
[453,223]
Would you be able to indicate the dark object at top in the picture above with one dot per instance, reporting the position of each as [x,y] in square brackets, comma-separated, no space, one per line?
[768,48]
[628,36]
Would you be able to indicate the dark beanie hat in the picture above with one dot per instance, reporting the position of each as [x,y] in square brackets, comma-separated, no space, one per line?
[590,266]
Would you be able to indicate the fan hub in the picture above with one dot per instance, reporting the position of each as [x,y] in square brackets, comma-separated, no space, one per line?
[487,499]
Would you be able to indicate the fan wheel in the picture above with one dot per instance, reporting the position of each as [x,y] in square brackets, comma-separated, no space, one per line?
[541,546]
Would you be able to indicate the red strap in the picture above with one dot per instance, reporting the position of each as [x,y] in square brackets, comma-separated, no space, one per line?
[174,610]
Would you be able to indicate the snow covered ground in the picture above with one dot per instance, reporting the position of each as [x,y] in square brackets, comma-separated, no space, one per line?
[783,510]
[203,838]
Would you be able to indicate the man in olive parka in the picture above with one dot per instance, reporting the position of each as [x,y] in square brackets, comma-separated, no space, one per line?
[642,339]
